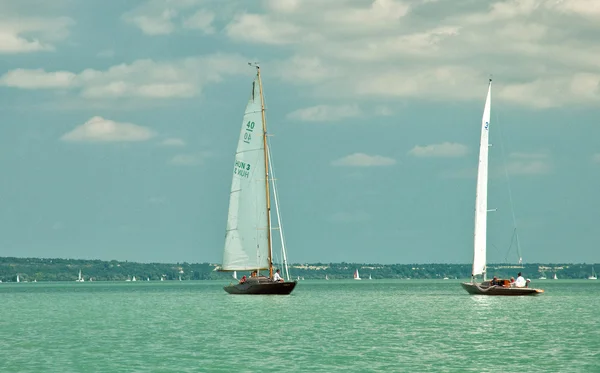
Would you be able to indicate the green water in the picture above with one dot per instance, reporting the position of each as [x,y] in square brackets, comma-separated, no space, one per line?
[324,326]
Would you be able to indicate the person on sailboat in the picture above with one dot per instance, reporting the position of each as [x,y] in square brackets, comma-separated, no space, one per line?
[253,274]
[243,279]
[520,282]
[277,277]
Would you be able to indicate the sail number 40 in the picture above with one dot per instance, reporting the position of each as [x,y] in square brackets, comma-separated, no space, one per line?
[248,133]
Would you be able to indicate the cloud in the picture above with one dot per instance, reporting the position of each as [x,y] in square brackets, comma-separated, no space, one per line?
[188,159]
[201,20]
[173,142]
[37,79]
[596,158]
[542,53]
[350,217]
[164,17]
[98,129]
[325,113]
[443,150]
[528,163]
[383,111]
[364,160]
[147,79]
[32,34]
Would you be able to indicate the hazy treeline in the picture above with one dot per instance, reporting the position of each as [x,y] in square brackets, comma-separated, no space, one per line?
[43,269]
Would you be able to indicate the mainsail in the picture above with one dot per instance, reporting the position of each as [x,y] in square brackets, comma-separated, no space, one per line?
[246,239]
[480,241]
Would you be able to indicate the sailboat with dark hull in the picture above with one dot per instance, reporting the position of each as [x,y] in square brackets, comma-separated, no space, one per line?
[499,287]
[248,241]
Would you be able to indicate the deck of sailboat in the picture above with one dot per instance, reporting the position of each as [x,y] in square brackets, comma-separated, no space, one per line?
[261,285]
[485,288]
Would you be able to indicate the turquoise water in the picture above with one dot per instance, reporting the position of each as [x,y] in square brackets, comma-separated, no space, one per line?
[324,326]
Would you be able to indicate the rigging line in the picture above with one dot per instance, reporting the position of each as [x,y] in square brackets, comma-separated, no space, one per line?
[280,225]
[510,197]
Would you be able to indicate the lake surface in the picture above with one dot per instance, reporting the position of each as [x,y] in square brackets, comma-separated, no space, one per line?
[324,326]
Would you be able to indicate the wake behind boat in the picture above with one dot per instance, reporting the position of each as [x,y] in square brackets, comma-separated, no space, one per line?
[248,244]
[497,287]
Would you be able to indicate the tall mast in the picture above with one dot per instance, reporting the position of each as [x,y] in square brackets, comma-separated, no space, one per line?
[264,122]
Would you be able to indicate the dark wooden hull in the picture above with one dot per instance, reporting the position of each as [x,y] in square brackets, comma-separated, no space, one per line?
[484,289]
[262,288]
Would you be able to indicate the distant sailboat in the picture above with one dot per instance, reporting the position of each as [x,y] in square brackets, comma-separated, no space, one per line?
[133,279]
[235,275]
[326,277]
[370,277]
[80,277]
[248,241]
[18,278]
[480,231]
[593,276]
[555,277]
[356,275]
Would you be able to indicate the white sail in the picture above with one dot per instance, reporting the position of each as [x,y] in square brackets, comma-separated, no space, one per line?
[246,239]
[480,241]
[356,275]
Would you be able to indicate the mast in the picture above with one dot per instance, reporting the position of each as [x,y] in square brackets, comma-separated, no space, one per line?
[264,123]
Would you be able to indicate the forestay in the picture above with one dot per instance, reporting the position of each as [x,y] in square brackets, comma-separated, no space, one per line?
[246,242]
[480,241]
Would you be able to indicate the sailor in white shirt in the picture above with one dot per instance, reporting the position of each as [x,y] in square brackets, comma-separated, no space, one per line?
[520,282]
[277,277]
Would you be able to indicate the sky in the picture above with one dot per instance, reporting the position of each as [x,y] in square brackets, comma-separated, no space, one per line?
[119,122]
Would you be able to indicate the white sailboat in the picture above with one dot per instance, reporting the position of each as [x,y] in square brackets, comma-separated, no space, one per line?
[555,277]
[80,277]
[480,230]
[593,276]
[18,278]
[326,277]
[248,241]
[356,275]
[370,277]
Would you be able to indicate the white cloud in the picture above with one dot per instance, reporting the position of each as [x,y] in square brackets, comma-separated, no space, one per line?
[542,53]
[364,160]
[443,150]
[31,34]
[173,142]
[141,79]
[201,20]
[528,163]
[254,28]
[163,17]
[98,129]
[188,159]
[383,111]
[350,217]
[596,158]
[325,113]
[37,79]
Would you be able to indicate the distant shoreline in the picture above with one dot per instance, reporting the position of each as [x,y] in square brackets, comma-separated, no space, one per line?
[57,269]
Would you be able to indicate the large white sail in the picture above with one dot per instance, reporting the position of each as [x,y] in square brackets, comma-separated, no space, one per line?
[480,240]
[246,240]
